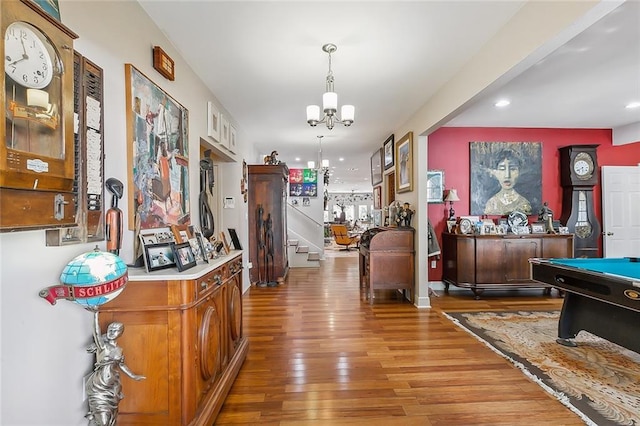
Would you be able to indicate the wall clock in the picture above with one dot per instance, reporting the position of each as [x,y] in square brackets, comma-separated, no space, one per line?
[578,175]
[37,156]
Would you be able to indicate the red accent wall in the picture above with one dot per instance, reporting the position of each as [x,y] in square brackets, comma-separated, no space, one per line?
[448,150]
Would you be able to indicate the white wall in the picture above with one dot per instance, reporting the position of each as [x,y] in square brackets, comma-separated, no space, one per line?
[43,356]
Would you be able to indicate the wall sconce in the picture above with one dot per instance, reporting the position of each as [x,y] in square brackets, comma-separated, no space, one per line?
[451,197]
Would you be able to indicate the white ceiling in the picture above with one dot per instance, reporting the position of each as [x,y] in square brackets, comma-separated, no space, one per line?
[265,64]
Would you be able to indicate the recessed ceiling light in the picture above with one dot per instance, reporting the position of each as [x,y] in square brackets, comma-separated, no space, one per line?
[633,105]
[502,103]
[297,158]
[341,158]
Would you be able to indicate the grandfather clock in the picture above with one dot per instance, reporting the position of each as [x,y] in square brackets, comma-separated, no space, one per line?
[578,175]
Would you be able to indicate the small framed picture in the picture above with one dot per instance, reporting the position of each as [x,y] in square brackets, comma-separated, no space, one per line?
[538,228]
[201,244]
[388,153]
[184,257]
[159,256]
[213,121]
[181,233]
[234,239]
[435,186]
[149,238]
[223,238]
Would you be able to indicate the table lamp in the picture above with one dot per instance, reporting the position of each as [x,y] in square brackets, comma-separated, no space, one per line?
[451,197]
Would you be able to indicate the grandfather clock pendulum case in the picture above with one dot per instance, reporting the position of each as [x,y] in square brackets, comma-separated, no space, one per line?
[578,175]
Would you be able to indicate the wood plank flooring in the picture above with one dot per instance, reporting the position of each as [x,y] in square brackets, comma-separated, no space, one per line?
[320,354]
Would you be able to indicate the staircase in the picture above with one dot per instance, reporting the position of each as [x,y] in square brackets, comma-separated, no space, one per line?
[301,257]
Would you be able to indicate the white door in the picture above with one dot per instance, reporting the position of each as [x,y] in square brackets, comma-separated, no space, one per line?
[621,211]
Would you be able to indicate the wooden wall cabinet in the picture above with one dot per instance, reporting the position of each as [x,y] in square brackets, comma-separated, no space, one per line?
[36,152]
[480,262]
[386,259]
[267,187]
[183,331]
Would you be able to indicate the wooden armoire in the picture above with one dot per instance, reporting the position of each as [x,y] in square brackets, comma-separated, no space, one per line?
[267,188]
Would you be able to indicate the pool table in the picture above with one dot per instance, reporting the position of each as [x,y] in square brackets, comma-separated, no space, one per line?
[602,296]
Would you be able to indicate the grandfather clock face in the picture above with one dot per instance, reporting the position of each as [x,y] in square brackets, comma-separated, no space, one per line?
[578,165]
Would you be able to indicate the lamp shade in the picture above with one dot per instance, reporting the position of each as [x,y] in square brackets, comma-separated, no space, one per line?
[452,196]
[330,102]
[313,113]
[348,113]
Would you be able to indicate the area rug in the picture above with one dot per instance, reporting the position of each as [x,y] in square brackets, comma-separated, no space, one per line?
[598,380]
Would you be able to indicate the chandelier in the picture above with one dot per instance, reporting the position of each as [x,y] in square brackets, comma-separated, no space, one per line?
[323,164]
[330,102]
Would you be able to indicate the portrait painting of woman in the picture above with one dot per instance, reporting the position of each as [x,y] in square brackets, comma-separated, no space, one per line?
[505,177]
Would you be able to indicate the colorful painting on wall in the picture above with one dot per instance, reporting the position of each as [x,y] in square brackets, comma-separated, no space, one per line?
[505,177]
[303,182]
[157,154]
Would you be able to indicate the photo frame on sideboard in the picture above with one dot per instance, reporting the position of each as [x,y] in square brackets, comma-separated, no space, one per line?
[234,239]
[159,256]
[225,243]
[183,255]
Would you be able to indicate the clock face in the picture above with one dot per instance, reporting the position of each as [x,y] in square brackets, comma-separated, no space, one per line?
[27,60]
[583,165]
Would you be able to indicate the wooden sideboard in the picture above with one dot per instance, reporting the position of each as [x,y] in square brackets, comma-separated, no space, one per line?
[386,259]
[183,331]
[480,262]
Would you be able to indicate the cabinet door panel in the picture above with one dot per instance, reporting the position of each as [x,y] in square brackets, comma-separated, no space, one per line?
[557,247]
[490,258]
[517,255]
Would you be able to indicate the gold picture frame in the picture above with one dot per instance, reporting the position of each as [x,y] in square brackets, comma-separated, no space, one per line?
[157,154]
[404,163]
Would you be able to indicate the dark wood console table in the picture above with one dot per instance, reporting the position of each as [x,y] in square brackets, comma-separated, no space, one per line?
[387,259]
[480,262]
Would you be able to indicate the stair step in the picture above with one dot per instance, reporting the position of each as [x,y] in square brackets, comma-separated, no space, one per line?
[302,249]
[293,243]
[313,255]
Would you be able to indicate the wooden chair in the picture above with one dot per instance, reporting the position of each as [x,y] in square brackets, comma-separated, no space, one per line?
[341,236]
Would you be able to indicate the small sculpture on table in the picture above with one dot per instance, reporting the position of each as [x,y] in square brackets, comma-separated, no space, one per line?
[546,216]
[404,214]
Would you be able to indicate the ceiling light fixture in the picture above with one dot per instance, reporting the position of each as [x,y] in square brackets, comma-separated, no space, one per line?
[633,105]
[502,103]
[330,102]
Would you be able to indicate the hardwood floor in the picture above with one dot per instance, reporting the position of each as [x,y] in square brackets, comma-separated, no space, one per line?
[320,354]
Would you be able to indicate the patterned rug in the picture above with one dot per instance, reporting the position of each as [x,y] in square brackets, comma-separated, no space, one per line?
[598,380]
